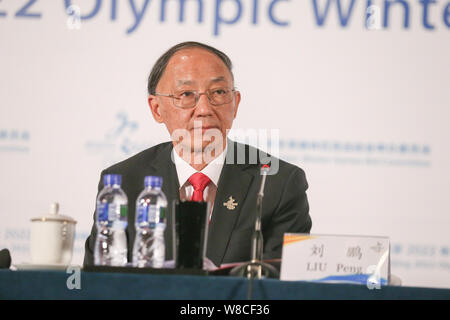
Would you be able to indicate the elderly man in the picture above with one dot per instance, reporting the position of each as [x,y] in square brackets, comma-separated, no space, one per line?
[191,90]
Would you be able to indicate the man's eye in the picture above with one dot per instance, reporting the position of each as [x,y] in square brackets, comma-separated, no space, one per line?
[219,91]
[186,94]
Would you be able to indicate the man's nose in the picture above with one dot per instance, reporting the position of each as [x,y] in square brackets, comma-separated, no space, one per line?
[203,106]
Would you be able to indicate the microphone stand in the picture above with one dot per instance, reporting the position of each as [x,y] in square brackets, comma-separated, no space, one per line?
[256,268]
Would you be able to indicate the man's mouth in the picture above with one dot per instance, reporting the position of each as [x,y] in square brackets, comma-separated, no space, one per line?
[204,128]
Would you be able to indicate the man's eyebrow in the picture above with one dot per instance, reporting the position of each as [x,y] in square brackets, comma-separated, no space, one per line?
[190,82]
[218,79]
[185,82]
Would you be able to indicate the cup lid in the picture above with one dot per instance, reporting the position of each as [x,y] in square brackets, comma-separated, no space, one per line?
[54,216]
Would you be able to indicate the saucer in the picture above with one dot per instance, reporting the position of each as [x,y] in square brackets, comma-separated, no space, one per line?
[31,266]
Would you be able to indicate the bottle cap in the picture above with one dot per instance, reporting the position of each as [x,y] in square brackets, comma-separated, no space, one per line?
[153,181]
[111,179]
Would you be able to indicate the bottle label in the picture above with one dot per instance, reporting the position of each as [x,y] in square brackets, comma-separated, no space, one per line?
[111,212]
[142,214]
[123,211]
[102,211]
[162,214]
[152,214]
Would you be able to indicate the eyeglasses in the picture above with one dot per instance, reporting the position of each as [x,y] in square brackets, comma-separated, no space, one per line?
[189,98]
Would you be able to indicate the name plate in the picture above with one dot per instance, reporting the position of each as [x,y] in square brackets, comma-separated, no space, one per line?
[336,259]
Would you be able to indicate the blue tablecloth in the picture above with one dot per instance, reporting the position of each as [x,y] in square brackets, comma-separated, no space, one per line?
[53,285]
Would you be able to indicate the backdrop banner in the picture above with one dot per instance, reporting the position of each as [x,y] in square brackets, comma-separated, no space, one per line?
[355,92]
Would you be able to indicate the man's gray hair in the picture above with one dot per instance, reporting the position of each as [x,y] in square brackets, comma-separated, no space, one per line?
[160,65]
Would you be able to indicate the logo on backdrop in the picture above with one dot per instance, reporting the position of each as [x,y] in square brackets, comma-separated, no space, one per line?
[14,140]
[356,153]
[17,240]
[119,141]
[369,14]
[417,256]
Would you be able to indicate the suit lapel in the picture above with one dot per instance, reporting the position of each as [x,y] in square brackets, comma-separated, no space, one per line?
[234,182]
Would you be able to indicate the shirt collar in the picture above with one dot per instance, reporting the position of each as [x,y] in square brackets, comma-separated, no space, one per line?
[212,169]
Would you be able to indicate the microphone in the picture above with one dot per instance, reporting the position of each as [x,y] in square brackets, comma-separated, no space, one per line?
[5,259]
[256,268]
[257,237]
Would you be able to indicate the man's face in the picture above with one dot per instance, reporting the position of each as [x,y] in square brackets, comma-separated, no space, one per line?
[194,69]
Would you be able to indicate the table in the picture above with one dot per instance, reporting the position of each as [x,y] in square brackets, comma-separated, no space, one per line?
[45,284]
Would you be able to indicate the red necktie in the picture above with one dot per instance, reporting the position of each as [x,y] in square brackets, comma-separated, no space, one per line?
[199,181]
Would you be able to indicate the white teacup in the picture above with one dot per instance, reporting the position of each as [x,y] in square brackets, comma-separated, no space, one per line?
[52,238]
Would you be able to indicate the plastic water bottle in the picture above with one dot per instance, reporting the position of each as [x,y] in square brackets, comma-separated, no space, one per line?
[111,221]
[151,204]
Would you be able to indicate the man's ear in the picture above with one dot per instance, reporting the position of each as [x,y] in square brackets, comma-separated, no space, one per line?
[237,100]
[154,105]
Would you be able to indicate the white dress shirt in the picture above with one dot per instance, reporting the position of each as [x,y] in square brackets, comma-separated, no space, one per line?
[212,171]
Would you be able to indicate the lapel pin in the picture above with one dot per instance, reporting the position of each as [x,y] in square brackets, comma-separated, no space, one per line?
[230,204]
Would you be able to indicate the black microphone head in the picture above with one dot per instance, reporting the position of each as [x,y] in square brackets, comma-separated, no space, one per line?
[5,259]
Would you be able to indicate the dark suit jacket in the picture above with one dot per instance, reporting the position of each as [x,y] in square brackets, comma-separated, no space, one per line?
[285,205]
